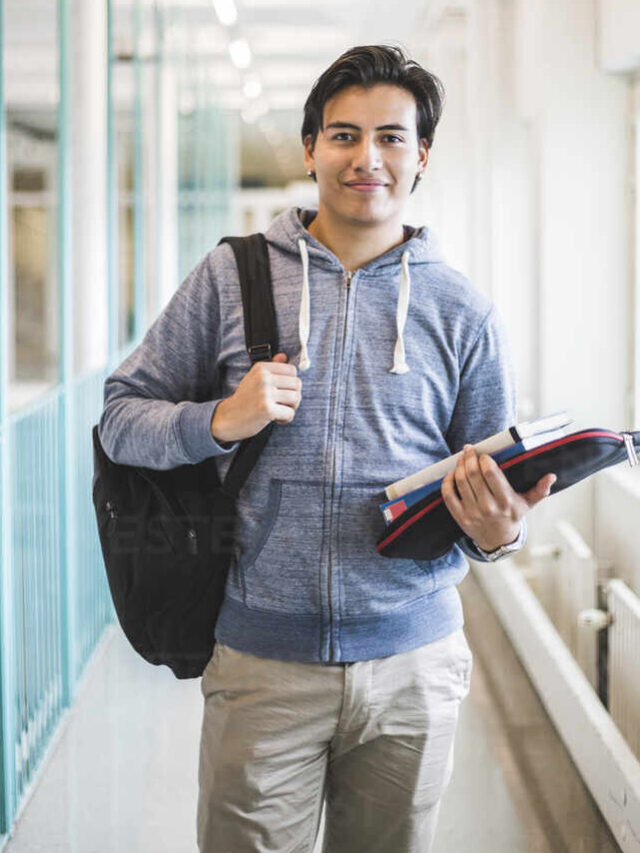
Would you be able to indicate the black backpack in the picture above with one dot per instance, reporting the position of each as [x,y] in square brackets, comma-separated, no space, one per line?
[167,535]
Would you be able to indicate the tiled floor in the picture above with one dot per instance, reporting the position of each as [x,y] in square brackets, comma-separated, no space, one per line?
[123,777]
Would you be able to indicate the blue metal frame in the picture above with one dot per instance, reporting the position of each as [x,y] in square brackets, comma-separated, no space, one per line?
[67,451]
[7,633]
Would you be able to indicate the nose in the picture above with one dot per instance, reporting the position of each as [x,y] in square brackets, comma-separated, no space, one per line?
[366,155]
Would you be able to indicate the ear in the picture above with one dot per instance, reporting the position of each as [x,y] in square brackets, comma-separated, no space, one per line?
[423,154]
[309,159]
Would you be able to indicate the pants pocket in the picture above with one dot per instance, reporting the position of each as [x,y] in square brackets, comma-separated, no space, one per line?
[462,662]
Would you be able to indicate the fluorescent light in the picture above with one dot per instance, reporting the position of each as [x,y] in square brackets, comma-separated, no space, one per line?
[226,12]
[240,53]
[252,87]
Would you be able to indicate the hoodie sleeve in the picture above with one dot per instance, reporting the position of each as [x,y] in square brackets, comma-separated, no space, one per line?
[486,402]
[159,403]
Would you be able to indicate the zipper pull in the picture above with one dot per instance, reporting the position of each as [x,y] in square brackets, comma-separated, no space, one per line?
[192,542]
[113,515]
[348,277]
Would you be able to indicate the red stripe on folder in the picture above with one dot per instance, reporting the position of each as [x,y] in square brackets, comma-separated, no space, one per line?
[594,433]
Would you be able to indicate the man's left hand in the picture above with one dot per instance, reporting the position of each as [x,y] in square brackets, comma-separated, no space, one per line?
[482,501]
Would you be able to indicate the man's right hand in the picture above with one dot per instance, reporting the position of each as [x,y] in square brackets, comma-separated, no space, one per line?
[270,391]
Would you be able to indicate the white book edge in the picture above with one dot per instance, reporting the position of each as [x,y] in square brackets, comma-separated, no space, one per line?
[551,422]
[488,445]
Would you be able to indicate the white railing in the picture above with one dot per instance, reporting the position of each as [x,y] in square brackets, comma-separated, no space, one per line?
[600,751]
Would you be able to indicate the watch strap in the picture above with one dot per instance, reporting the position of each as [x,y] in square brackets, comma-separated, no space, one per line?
[503,550]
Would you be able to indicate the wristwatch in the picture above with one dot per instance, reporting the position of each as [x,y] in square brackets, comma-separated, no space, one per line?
[502,550]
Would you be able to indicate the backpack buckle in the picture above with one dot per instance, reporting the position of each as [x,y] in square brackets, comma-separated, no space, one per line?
[260,352]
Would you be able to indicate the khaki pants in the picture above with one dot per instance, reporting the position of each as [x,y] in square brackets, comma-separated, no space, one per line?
[375,737]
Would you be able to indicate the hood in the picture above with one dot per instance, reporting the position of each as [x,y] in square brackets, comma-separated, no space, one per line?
[290,226]
[288,232]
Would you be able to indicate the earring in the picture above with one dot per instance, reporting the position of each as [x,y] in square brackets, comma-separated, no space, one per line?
[310,173]
[419,176]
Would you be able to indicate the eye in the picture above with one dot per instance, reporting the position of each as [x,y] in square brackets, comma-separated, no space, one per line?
[391,137]
[342,135]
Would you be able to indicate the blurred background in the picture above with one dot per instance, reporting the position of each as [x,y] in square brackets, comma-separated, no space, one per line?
[136,133]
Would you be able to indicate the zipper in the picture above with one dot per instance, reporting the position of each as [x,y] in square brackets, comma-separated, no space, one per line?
[113,515]
[178,528]
[349,274]
[192,542]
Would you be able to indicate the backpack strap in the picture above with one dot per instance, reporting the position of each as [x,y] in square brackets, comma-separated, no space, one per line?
[261,337]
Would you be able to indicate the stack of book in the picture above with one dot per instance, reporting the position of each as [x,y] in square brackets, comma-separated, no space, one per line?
[502,446]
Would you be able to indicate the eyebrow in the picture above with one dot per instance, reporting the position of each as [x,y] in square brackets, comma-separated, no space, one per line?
[355,126]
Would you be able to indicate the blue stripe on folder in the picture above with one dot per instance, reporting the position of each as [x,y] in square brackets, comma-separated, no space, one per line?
[392,509]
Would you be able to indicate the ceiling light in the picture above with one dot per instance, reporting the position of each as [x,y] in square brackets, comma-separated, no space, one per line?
[252,87]
[240,53]
[226,12]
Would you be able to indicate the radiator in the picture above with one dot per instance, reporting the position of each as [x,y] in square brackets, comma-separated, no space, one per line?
[624,661]
[565,579]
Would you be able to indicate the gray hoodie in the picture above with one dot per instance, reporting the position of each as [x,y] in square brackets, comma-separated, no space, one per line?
[401,364]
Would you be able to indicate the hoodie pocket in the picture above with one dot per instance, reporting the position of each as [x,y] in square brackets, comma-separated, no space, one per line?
[280,569]
[370,583]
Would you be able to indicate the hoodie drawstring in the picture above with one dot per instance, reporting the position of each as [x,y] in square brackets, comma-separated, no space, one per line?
[399,362]
[303,318]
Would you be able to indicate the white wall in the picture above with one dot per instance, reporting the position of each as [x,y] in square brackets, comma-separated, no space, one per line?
[619,34]
[548,215]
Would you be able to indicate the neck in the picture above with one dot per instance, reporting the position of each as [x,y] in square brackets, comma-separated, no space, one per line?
[352,243]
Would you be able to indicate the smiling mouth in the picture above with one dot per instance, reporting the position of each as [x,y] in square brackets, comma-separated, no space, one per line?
[365,186]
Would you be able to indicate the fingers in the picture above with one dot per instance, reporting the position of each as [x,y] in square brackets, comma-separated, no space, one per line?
[285,387]
[287,398]
[541,490]
[463,483]
[451,499]
[276,367]
[283,414]
[472,485]
[501,490]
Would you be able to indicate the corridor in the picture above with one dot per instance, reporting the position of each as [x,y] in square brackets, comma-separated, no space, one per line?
[123,775]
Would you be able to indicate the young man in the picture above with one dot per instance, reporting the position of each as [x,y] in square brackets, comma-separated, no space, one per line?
[336,671]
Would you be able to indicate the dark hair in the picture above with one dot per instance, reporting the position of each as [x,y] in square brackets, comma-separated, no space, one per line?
[367,65]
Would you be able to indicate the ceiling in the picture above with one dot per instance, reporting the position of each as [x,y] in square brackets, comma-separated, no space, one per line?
[290,41]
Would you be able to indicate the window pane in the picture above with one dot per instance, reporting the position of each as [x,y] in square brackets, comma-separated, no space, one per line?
[32,95]
[123,83]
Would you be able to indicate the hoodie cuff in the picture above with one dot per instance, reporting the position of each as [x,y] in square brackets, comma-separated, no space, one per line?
[194,428]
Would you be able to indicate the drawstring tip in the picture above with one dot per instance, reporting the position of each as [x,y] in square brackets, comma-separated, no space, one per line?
[305,361]
[402,367]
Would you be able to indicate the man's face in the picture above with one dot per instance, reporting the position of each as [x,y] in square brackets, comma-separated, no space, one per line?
[367,154]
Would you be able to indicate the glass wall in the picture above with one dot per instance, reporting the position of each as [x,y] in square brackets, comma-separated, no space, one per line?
[72,74]
[123,107]
[31,97]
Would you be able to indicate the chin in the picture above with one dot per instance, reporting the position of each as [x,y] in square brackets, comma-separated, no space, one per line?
[373,217]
